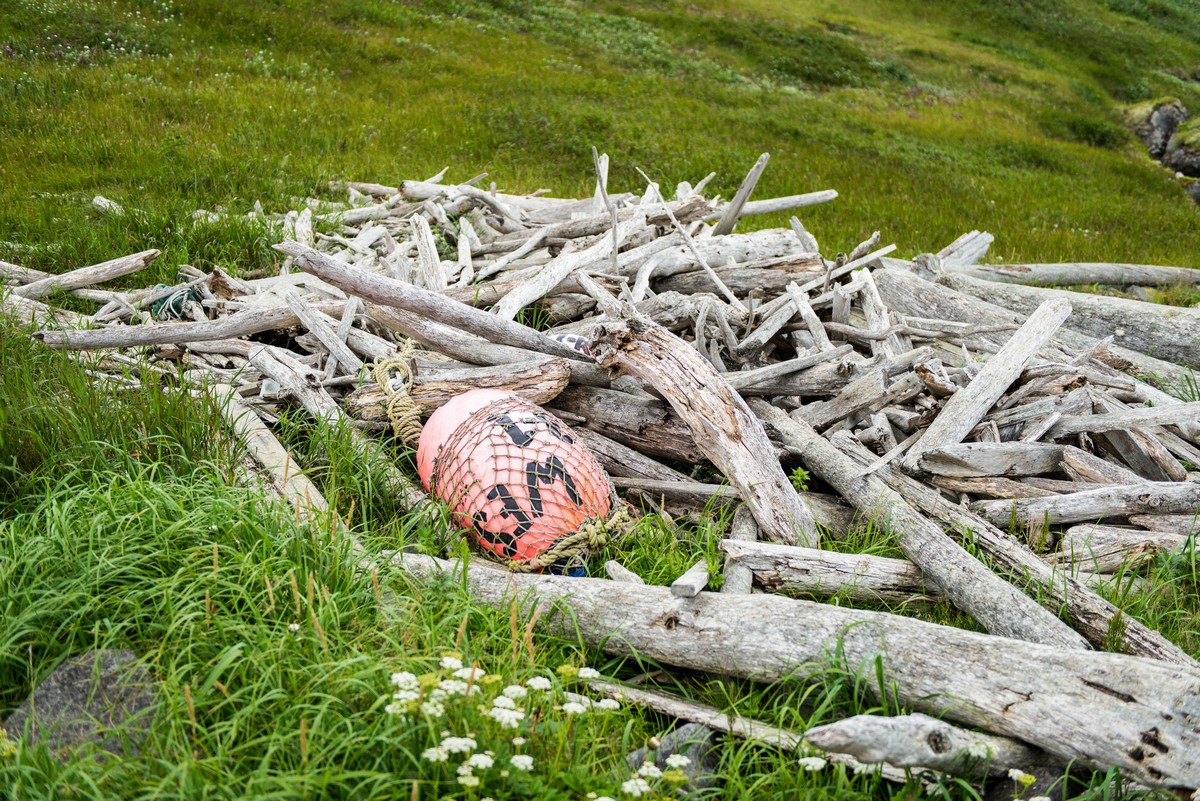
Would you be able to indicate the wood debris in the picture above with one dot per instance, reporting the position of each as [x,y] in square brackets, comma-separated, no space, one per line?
[936,397]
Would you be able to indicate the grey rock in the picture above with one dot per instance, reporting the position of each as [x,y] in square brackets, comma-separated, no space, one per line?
[1183,154]
[102,699]
[1193,190]
[1155,122]
[695,741]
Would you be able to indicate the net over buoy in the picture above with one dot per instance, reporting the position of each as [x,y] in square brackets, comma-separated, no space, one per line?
[512,473]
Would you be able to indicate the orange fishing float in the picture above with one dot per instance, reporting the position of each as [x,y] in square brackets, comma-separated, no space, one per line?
[512,473]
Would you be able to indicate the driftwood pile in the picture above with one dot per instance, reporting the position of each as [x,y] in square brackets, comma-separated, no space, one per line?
[952,402]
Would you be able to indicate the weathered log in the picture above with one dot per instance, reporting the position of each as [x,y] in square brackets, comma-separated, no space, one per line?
[739,578]
[1103,503]
[537,381]
[912,295]
[691,582]
[243,323]
[991,487]
[997,605]
[919,741]
[87,276]
[1165,332]
[1088,612]
[437,307]
[1105,549]
[1066,274]
[620,460]
[469,348]
[1125,419]
[808,571]
[1105,709]
[966,407]
[1182,525]
[722,425]
[973,459]
[642,423]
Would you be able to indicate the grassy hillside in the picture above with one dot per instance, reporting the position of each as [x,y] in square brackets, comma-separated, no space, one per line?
[930,119]
[123,522]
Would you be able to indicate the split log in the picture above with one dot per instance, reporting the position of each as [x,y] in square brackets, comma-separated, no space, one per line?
[992,487]
[965,408]
[721,424]
[731,213]
[919,741]
[807,571]
[997,605]
[1182,525]
[1088,612]
[1125,419]
[692,582]
[1103,503]
[1105,709]
[87,276]
[1165,332]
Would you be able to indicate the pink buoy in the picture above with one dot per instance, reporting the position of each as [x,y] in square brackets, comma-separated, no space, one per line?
[511,472]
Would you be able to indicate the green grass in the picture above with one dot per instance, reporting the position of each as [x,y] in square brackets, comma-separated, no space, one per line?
[929,119]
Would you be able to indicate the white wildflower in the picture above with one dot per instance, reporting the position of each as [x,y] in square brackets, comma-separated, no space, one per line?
[539,683]
[812,763]
[518,741]
[435,755]
[469,673]
[521,762]
[979,750]
[468,781]
[451,663]
[507,718]
[514,691]
[573,708]
[481,761]
[649,770]
[678,761]
[1015,774]
[293,627]
[588,673]
[433,709]
[503,702]
[1195,796]
[453,687]
[609,704]
[406,681]
[404,696]
[605,798]
[463,770]
[635,787]
[459,745]
[396,709]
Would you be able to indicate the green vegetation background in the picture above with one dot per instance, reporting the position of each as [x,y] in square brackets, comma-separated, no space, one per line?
[122,519]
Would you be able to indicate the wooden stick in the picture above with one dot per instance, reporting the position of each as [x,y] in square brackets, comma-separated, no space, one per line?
[1097,707]
[691,582]
[315,322]
[739,577]
[997,605]
[775,205]
[965,408]
[1052,275]
[733,211]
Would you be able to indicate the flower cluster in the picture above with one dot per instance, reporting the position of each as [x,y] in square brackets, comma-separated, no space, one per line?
[508,713]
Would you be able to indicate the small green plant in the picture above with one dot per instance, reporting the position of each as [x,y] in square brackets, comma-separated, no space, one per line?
[799,478]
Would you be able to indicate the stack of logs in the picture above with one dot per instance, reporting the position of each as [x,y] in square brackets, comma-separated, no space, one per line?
[956,404]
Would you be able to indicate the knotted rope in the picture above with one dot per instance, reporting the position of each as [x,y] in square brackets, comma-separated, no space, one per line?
[402,411]
[592,535]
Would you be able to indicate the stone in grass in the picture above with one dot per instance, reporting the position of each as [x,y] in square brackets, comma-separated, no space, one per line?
[693,740]
[102,699]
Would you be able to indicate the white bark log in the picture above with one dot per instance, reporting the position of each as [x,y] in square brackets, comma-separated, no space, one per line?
[1105,709]
[87,276]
